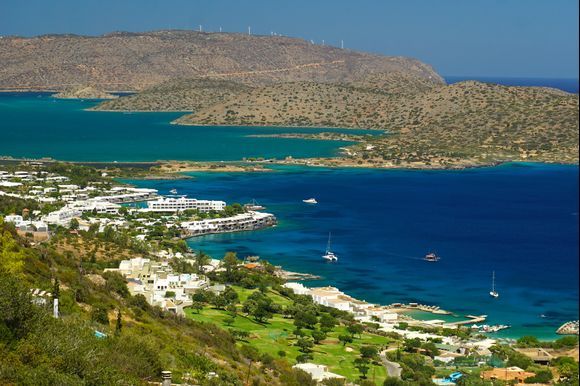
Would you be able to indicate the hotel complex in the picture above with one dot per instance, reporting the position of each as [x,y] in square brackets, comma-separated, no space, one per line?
[170,204]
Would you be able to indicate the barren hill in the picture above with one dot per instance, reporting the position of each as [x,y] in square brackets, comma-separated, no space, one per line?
[468,121]
[133,61]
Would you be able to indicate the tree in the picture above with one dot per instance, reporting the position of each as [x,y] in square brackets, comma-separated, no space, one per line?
[74,224]
[355,329]
[318,336]
[261,312]
[542,376]
[56,288]
[305,344]
[230,263]
[393,381]
[197,306]
[345,339]
[229,320]
[328,322]
[368,352]
[305,319]
[99,314]
[411,345]
[430,349]
[119,323]
[362,365]
[201,259]
[231,296]
[528,341]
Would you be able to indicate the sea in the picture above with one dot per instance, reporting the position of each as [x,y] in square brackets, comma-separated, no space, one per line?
[519,220]
[37,125]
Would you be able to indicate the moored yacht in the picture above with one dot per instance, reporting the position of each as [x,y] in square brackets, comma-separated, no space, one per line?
[431,257]
[493,293]
[329,255]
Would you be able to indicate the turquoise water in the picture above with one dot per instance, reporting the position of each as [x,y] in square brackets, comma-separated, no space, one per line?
[520,220]
[36,125]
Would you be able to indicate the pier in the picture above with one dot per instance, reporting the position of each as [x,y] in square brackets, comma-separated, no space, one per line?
[471,319]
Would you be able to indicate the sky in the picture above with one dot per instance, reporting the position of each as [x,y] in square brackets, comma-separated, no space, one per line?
[493,38]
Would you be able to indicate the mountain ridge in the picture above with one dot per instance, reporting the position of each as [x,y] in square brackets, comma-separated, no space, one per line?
[134,61]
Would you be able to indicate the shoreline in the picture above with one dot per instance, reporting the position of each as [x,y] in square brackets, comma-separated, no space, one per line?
[243,166]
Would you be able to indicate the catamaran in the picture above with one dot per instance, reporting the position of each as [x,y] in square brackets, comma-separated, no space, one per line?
[493,293]
[254,206]
[329,255]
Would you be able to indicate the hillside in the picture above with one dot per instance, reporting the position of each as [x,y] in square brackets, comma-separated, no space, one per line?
[84,92]
[133,61]
[177,95]
[437,125]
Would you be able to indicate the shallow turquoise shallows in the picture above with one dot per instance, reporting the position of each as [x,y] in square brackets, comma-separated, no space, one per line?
[520,220]
[36,125]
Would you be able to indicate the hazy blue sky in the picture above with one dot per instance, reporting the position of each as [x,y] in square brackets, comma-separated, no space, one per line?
[527,38]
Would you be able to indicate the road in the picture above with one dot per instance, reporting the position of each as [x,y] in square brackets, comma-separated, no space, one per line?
[393,368]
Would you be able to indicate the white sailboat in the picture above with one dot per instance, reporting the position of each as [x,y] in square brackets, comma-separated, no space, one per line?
[493,293]
[329,255]
[310,201]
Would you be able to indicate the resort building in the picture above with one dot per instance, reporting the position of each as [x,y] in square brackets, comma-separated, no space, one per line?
[129,195]
[240,222]
[318,372]
[62,216]
[160,286]
[170,204]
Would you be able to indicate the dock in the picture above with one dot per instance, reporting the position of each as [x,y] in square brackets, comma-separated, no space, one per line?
[471,319]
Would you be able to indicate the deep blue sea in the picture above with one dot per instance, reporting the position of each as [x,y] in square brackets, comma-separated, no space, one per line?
[520,220]
[568,85]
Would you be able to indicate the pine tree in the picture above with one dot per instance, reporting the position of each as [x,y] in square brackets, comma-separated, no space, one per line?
[56,289]
[119,324]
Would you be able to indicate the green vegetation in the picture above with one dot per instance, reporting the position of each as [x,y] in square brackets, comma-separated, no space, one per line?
[140,341]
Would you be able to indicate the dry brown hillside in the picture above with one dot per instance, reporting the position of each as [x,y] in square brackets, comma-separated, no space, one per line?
[177,95]
[133,61]
[436,125]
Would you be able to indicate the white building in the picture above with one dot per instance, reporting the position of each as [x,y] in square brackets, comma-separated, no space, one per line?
[170,204]
[318,372]
[298,288]
[62,216]
[239,222]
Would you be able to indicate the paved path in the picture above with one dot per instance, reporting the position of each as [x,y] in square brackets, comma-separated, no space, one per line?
[393,369]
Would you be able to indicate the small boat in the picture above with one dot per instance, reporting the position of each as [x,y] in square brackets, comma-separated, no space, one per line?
[173,191]
[254,206]
[493,293]
[310,201]
[431,257]
[329,255]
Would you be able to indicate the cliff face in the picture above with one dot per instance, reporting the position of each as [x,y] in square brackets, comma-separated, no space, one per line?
[124,61]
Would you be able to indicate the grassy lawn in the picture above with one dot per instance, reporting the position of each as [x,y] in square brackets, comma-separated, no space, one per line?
[276,335]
